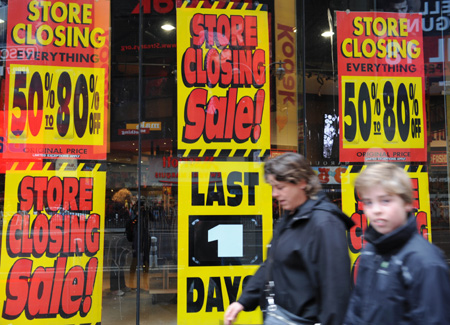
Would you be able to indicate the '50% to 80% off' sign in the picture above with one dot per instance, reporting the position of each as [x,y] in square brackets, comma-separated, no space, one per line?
[55,104]
[382,110]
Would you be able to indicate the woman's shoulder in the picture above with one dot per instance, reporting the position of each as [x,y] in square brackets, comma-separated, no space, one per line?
[326,213]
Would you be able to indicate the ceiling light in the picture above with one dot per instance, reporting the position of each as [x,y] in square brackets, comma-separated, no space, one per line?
[167,27]
[327,34]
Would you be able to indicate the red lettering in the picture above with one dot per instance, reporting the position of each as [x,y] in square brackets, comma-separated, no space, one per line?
[86,187]
[160,6]
[13,243]
[286,31]
[244,119]
[194,115]
[210,24]
[49,291]
[16,286]
[213,67]
[40,235]
[56,235]
[422,225]
[216,108]
[60,267]
[26,193]
[77,226]
[40,187]
[251,31]
[68,234]
[258,68]
[237,29]
[163,6]
[72,293]
[91,268]
[323,175]
[197,30]
[224,30]
[70,194]
[223,120]
[57,193]
[92,234]
[40,291]
[229,67]
[54,194]
[221,31]
[356,232]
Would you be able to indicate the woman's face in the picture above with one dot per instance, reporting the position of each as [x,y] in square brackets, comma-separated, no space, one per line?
[290,196]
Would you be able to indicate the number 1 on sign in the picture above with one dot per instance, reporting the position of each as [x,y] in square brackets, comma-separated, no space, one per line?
[229,240]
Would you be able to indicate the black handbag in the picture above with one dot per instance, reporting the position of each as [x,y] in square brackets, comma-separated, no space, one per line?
[275,314]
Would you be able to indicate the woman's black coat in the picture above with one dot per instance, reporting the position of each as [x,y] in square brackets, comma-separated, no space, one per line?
[311,265]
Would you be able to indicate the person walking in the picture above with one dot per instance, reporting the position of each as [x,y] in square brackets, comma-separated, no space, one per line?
[308,265]
[402,278]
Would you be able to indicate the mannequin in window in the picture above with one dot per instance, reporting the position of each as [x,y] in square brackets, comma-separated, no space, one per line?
[121,212]
[400,6]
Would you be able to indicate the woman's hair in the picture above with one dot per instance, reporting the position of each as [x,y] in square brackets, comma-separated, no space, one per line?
[122,195]
[393,179]
[292,167]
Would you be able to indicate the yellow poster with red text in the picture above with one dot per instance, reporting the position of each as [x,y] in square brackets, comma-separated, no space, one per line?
[353,207]
[52,245]
[224,226]
[57,79]
[381,85]
[223,79]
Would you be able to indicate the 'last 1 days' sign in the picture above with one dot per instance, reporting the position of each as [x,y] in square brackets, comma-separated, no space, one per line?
[381,87]
[224,224]
[52,246]
[223,84]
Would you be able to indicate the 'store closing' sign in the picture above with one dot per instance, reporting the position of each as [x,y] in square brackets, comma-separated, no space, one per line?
[223,85]
[52,246]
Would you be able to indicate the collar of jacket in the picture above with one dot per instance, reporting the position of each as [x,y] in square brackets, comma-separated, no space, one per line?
[304,211]
[394,240]
[321,202]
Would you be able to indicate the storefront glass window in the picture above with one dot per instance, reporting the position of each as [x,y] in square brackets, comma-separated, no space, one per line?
[101,195]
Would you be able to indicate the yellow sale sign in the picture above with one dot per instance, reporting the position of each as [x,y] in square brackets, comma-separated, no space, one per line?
[52,246]
[223,79]
[224,225]
[381,85]
[57,79]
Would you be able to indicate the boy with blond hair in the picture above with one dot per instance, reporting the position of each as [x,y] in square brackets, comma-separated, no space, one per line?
[402,278]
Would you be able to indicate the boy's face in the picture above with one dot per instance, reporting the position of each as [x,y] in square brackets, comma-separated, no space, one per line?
[386,212]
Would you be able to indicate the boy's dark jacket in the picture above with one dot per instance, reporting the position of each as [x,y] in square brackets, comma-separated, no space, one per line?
[311,267]
[402,279]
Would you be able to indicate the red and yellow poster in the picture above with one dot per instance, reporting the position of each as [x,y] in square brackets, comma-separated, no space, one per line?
[224,226]
[381,86]
[223,79]
[52,245]
[353,207]
[57,70]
